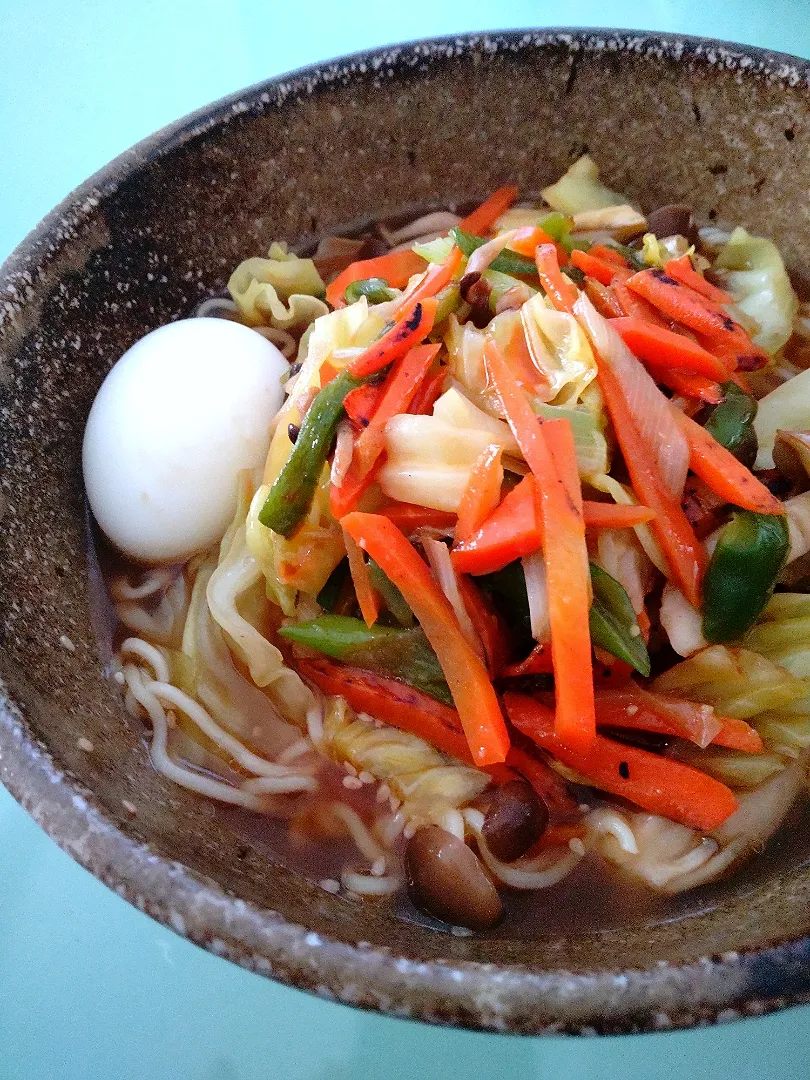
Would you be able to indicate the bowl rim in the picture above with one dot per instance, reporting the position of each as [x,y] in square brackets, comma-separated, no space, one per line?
[460,993]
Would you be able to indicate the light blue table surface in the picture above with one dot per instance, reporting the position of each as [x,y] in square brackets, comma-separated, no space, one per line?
[90,989]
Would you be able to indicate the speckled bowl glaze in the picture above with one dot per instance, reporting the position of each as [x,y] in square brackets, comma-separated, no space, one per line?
[668,118]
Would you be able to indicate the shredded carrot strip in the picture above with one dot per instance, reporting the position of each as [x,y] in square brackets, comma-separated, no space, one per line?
[436,278]
[725,475]
[413,326]
[428,393]
[682,270]
[397,393]
[466,675]
[367,597]
[601,270]
[560,290]
[391,701]
[482,493]
[409,517]
[657,784]
[609,254]
[604,299]
[481,220]
[664,348]
[685,555]
[564,550]
[395,267]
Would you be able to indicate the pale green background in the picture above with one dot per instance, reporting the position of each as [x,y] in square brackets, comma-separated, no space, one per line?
[89,988]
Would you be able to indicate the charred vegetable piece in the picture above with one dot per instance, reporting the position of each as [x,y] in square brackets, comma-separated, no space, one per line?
[613,622]
[747,560]
[508,262]
[446,880]
[515,819]
[401,654]
[375,290]
[291,495]
[732,423]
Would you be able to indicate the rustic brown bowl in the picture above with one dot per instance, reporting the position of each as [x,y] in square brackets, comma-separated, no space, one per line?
[668,118]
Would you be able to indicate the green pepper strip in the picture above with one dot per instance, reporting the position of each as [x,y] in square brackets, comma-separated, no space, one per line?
[508,262]
[732,423]
[613,622]
[747,560]
[393,599]
[399,654]
[290,497]
[375,290]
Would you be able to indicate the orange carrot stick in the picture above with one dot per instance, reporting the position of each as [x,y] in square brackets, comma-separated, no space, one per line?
[664,348]
[414,324]
[481,220]
[609,254]
[436,278]
[603,299]
[682,270]
[564,551]
[396,267]
[560,290]
[688,384]
[394,702]
[683,305]
[601,270]
[639,710]
[633,305]
[466,675]
[408,517]
[685,555]
[428,393]
[655,783]
[605,515]
[725,475]
[397,394]
[367,596]
[482,493]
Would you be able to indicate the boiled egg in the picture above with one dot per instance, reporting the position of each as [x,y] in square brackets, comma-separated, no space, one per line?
[176,420]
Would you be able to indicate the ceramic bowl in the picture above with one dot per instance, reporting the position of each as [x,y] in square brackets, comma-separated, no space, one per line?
[667,118]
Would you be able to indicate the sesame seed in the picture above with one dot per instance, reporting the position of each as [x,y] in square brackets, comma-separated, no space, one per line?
[353,783]
[130,807]
[329,885]
[66,643]
[85,744]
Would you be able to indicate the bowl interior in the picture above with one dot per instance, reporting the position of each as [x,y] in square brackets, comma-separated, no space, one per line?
[161,228]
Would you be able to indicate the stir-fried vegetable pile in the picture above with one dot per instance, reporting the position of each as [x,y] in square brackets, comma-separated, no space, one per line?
[522,471]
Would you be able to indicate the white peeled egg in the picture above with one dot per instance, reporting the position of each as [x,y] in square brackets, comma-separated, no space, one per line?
[176,420]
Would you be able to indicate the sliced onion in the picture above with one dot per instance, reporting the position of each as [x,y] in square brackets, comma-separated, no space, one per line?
[344,448]
[438,556]
[651,410]
[488,253]
[534,571]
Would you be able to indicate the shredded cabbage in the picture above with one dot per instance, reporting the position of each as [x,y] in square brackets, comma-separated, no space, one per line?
[736,682]
[754,274]
[429,461]
[657,252]
[787,408]
[559,349]
[581,189]
[435,251]
[427,782]
[282,290]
